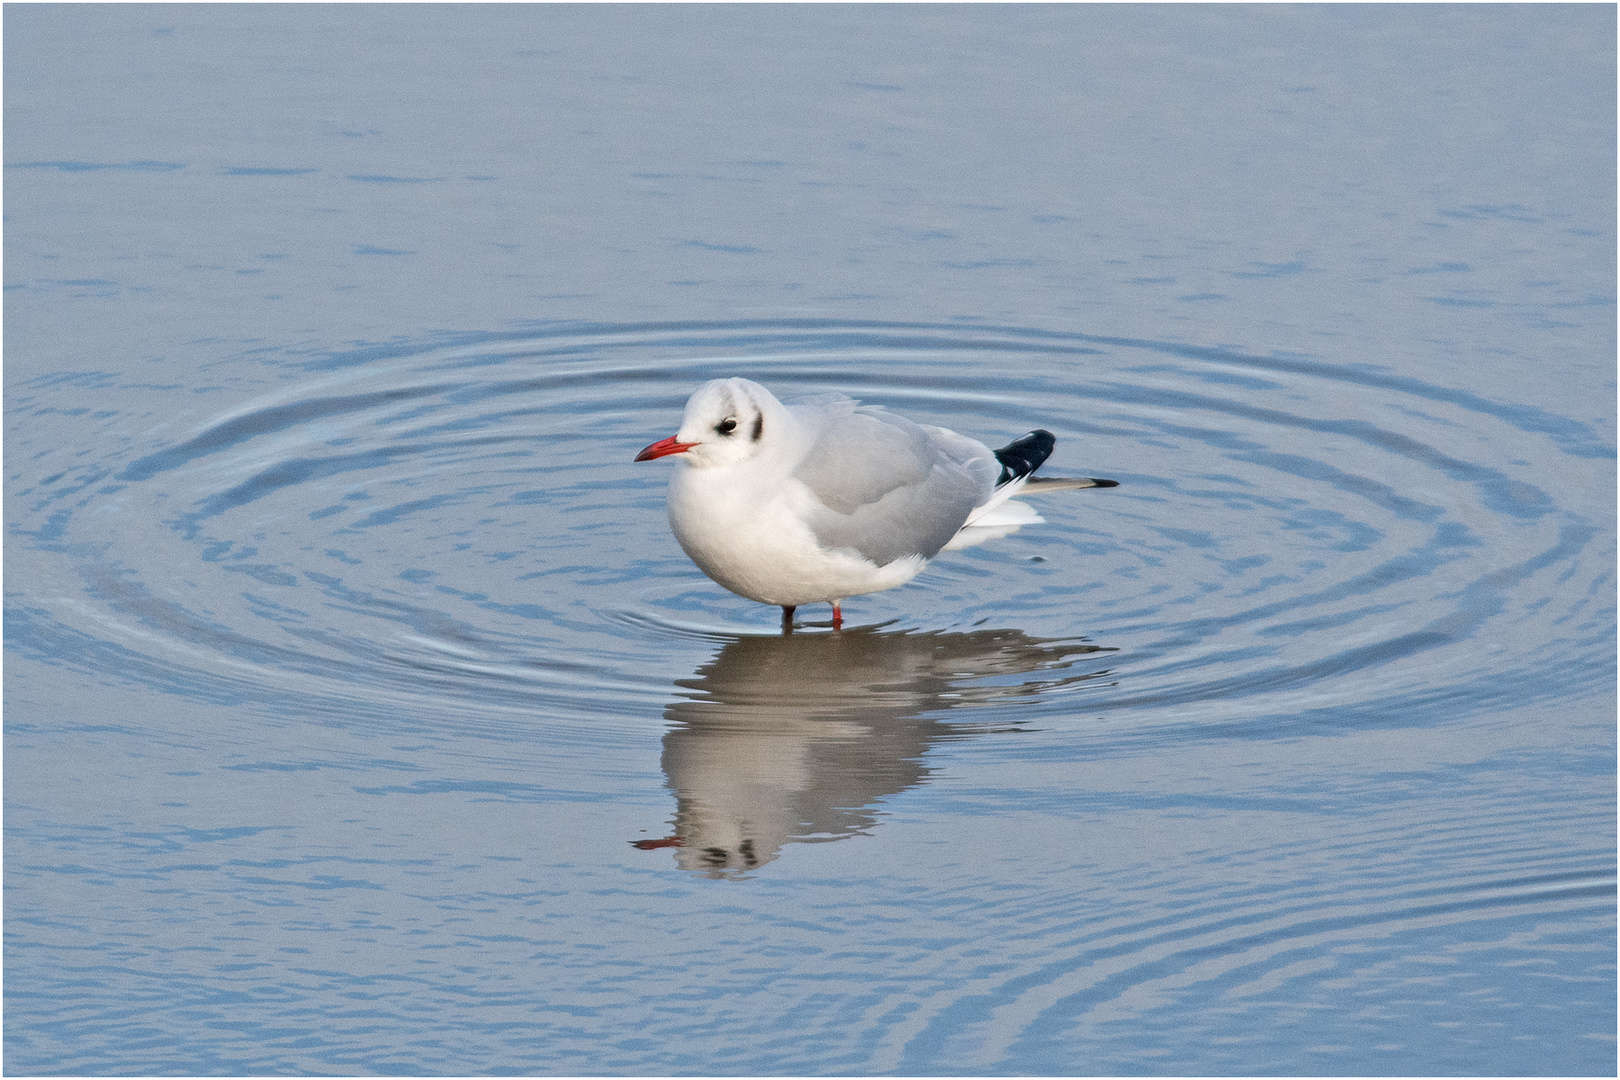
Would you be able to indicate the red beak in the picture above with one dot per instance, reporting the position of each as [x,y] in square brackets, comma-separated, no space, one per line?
[663,448]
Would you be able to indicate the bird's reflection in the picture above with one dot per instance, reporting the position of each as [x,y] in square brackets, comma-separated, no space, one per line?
[794,738]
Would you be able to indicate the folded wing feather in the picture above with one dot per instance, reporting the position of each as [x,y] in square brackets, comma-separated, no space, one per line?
[887,488]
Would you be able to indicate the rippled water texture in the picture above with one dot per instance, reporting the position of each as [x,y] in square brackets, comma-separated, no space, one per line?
[364,716]
[459,527]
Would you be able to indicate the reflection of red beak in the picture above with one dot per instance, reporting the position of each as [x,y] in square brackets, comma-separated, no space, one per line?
[663,448]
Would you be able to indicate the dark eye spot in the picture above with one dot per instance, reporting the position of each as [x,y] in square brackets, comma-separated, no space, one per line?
[726,426]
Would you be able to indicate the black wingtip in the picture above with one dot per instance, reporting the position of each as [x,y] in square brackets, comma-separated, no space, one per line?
[1024,455]
[1104,483]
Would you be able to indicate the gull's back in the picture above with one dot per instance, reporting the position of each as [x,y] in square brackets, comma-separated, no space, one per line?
[886,487]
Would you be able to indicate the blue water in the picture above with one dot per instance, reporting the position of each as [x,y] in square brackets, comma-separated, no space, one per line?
[356,691]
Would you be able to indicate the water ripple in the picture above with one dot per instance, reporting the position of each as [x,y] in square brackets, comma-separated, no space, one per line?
[1338,532]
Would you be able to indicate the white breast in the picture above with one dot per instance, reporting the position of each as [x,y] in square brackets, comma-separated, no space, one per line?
[746,528]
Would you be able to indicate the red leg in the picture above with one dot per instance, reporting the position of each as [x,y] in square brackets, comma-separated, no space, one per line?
[838,615]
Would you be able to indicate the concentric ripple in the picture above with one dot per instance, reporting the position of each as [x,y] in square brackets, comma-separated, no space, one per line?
[456,525]
[1067,765]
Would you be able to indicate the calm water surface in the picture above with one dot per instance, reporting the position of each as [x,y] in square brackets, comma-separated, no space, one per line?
[356,689]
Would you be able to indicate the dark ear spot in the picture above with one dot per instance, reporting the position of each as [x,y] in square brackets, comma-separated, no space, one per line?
[759,426]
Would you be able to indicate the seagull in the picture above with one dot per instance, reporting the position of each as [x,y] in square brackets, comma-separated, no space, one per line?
[825,499]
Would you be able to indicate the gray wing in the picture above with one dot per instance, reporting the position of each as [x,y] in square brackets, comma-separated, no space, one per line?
[887,487]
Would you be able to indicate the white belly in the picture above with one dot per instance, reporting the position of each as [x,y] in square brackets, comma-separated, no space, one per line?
[754,542]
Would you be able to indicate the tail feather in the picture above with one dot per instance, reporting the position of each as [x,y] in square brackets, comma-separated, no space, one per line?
[992,521]
[1000,514]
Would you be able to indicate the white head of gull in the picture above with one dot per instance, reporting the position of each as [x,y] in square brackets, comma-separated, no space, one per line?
[825,498]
